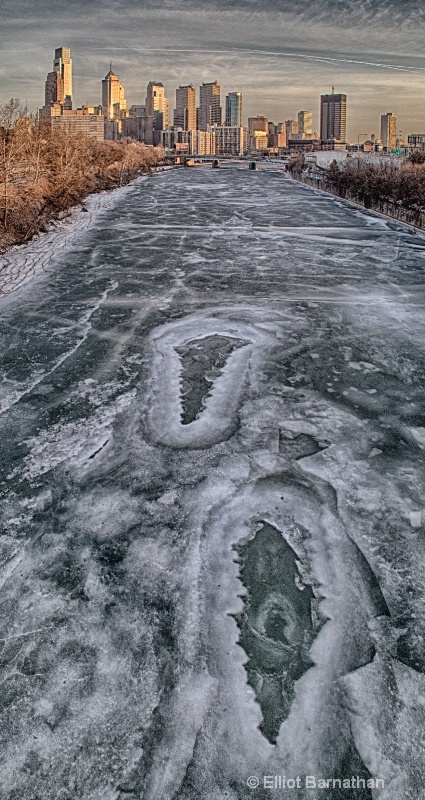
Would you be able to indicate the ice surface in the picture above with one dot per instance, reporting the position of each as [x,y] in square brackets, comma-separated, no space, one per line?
[220,353]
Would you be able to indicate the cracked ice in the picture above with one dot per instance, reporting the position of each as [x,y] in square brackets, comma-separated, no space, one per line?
[213,416]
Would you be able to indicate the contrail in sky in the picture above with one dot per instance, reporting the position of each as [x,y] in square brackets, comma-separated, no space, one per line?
[303,56]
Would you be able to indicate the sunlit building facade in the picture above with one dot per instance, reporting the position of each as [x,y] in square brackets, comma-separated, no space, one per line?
[389,131]
[157,105]
[185,111]
[209,105]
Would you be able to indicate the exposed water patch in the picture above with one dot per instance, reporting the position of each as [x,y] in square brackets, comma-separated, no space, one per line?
[202,362]
[200,368]
[276,626]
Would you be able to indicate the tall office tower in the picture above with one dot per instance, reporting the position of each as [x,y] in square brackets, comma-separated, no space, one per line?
[53,91]
[157,105]
[258,129]
[185,111]
[234,109]
[291,128]
[58,87]
[333,117]
[281,134]
[113,98]
[62,63]
[305,122]
[272,137]
[389,131]
[260,124]
[209,105]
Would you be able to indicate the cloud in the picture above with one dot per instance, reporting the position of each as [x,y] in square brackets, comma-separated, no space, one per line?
[282,55]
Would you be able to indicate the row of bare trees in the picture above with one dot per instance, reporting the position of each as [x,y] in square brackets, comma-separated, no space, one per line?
[44,171]
[381,185]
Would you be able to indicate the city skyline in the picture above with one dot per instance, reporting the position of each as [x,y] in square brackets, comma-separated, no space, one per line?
[279,59]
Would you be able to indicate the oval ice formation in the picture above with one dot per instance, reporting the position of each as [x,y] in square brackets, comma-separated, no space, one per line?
[199,374]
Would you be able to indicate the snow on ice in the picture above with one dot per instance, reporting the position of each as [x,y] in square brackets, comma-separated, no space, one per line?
[212,502]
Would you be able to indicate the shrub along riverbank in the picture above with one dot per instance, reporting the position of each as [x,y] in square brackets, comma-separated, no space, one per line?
[44,172]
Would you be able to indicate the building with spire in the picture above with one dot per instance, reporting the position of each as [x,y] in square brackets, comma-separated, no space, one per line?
[113,104]
[333,119]
[113,97]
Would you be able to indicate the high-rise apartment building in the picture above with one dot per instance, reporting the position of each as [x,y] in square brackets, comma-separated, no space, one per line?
[203,142]
[113,97]
[157,105]
[389,131]
[85,120]
[229,140]
[333,118]
[234,110]
[185,111]
[305,122]
[209,105]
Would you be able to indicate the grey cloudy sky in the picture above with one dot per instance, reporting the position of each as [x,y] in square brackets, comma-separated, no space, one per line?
[282,54]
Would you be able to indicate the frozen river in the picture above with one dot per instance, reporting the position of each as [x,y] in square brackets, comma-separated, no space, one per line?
[213,510]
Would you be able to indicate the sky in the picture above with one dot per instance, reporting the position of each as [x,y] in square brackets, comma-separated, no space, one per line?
[282,54]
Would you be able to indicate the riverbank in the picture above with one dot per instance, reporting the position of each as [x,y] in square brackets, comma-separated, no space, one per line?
[23,262]
[45,172]
[384,208]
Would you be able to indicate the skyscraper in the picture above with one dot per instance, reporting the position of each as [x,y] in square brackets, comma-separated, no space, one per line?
[389,131]
[113,98]
[58,87]
[258,129]
[53,90]
[333,118]
[234,109]
[291,128]
[305,122]
[62,63]
[157,105]
[185,111]
[209,105]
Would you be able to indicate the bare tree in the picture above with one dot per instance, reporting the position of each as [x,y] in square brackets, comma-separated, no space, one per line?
[14,142]
[45,170]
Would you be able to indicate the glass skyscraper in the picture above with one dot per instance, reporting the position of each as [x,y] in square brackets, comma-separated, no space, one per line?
[234,109]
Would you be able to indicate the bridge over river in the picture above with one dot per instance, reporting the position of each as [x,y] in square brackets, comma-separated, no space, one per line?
[213,433]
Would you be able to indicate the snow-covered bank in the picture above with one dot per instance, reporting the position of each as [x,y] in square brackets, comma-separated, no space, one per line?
[25,262]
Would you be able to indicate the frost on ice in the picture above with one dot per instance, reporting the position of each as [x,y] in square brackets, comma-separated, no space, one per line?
[212,503]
